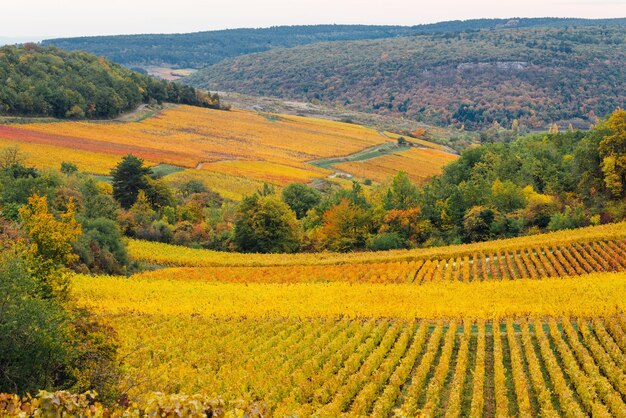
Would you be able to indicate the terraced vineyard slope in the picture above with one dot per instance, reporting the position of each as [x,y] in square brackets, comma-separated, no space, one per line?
[234,152]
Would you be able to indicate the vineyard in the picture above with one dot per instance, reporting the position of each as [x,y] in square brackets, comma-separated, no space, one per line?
[534,252]
[371,367]
[228,150]
[526,263]
[171,252]
[418,163]
[530,326]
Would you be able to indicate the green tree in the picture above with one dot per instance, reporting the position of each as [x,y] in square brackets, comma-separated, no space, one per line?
[402,195]
[570,219]
[477,223]
[68,168]
[613,153]
[264,224]
[142,211]
[385,241]
[101,248]
[506,196]
[159,193]
[301,198]
[96,203]
[32,350]
[47,342]
[129,177]
[193,186]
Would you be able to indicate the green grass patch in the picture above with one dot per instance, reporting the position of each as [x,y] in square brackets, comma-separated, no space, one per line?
[271,118]
[366,154]
[163,170]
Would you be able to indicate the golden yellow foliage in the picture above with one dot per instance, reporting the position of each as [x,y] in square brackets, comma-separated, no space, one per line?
[171,255]
[274,148]
[353,335]
[51,156]
[597,294]
[228,186]
[418,163]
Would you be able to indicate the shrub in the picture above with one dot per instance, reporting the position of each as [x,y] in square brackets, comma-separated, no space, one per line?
[386,241]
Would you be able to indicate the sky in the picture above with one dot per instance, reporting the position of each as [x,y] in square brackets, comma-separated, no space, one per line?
[23,20]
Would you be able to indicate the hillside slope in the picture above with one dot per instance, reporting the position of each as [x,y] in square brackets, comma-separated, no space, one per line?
[38,81]
[233,152]
[472,79]
[197,50]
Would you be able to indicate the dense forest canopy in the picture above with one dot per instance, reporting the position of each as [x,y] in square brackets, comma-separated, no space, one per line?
[468,79]
[200,49]
[47,81]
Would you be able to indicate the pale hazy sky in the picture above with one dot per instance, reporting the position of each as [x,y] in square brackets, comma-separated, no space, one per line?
[57,18]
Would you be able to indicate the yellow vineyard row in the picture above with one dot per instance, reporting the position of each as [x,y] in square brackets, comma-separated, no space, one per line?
[530,263]
[596,294]
[502,251]
[373,367]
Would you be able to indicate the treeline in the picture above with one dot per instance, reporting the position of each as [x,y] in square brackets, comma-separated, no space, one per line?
[527,185]
[536,183]
[200,49]
[534,77]
[47,81]
[505,188]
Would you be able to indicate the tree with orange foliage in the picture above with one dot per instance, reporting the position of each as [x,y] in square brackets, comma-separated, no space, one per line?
[346,227]
[408,224]
[419,133]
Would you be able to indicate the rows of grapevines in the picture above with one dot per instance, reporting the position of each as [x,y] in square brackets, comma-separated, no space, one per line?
[570,367]
[177,256]
[528,263]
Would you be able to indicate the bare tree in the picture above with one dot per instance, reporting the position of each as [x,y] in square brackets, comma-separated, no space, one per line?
[10,156]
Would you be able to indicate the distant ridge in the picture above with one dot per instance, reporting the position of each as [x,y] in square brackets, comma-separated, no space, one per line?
[200,49]
[471,79]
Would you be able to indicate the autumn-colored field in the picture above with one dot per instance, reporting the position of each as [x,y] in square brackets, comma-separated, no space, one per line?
[498,348]
[418,141]
[550,245]
[533,262]
[599,294]
[188,137]
[231,151]
[530,326]
[418,163]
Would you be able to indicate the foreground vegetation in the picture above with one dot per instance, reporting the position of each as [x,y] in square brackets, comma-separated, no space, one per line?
[560,367]
[370,367]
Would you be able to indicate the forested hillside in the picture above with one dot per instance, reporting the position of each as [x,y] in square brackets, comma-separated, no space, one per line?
[472,79]
[197,50]
[47,81]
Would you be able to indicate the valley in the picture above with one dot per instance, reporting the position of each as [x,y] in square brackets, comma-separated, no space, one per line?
[315,220]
